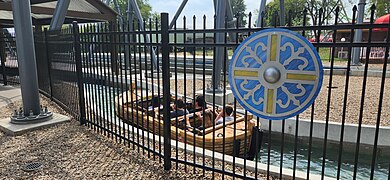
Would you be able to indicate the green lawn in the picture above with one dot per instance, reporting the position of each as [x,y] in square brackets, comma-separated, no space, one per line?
[325,54]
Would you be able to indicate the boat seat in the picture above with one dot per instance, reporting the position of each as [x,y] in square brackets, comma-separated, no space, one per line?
[220,126]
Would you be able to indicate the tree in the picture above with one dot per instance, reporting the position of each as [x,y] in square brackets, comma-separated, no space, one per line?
[296,7]
[382,7]
[144,6]
[328,7]
[238,8]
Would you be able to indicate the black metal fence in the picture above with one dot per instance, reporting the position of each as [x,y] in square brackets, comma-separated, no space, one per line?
[57,68]
[121,81]
[8,59]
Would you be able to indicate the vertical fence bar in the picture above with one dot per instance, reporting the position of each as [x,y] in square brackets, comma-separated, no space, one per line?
[362,98]
[104,99]
[381,94]
[345,101]
[120,80]
[88,75]
[77,51]
[328,106]
[185,82]
[158,91]
[48,63]
[166,89]
[204,91]
[3,56]
[194,84]
[146,80]
[133,89]
[127,56]
[95,77]
[177,123]
[141,88]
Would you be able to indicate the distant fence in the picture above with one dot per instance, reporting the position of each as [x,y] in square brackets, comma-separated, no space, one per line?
[104,75]
[8,59]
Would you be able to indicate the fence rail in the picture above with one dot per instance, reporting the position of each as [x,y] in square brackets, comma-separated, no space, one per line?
[104,75]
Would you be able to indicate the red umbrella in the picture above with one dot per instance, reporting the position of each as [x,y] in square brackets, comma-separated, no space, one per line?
[382,20]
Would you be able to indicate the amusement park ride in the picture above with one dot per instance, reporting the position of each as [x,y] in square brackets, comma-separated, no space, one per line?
[25,41]
[223,11]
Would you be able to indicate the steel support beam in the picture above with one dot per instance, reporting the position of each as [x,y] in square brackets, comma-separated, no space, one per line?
[26,57]
[130,10]
[231,20]
[142,28]
[261,10]
[177,14]
[59,15]
[282,13]
[358,33]
[219,52]
[129,37]
[118,10]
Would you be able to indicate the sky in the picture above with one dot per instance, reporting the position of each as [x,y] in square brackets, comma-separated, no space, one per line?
[205,7]
[195,7]
[200,8]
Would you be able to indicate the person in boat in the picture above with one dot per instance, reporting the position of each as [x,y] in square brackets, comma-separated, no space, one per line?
[179,109]
[154,103]
[206,119]
[225,115]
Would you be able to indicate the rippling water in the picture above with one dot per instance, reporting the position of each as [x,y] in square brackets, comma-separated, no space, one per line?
[331,161]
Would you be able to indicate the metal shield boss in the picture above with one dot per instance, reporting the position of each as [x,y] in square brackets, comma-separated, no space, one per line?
[275,74]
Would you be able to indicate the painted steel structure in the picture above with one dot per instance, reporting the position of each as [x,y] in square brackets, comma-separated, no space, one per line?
[43,11]
[359,32]
[59,14]
[22,13]
[26,57]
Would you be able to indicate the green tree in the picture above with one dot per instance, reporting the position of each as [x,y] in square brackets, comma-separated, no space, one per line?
[328,7]
[238,8]
[144,6]
[296,7]
[382,7]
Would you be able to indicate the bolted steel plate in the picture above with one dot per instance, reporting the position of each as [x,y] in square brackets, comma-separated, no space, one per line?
[275,74]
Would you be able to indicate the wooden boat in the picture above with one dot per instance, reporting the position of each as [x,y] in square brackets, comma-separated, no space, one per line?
[137,113]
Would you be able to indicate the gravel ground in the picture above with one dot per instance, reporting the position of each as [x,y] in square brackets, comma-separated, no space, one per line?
[71,151]
[377,66]
[371,99]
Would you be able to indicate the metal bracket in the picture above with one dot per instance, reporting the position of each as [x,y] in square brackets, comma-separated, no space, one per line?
[21,118]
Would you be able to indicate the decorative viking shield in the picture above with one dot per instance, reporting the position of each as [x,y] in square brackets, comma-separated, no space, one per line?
[275,74]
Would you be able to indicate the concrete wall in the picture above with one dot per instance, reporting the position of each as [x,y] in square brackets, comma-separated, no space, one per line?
[334,131]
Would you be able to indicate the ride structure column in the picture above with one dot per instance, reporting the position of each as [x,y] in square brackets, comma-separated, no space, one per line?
[32,112]
[220,24]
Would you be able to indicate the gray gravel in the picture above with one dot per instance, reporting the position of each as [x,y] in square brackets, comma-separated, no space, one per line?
[71,151]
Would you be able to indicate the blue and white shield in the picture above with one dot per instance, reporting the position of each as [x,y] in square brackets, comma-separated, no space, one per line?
[275,74]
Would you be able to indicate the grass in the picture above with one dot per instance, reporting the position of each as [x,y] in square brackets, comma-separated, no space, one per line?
[325,54]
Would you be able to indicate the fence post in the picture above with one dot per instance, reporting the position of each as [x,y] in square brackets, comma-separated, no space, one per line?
[48,61]
[166,90]
[79,71]
[3,56]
